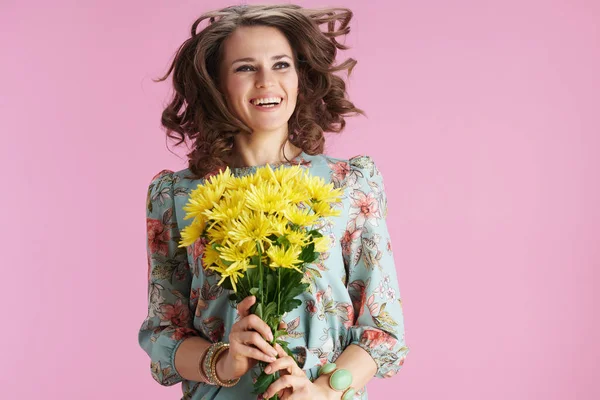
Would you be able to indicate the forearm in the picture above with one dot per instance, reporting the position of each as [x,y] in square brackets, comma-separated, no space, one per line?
[360,364]
[187,358]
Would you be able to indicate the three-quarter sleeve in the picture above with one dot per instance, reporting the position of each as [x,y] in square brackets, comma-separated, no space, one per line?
[169,320]
[372,282]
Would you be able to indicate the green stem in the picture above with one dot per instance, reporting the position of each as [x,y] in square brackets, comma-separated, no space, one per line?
[278,292]
[260,272]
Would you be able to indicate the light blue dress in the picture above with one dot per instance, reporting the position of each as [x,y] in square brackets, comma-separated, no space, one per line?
[353,296]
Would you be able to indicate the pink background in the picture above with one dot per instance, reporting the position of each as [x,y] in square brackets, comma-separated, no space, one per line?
[483,116]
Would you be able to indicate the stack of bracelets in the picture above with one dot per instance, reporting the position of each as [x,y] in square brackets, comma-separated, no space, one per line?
[207,365]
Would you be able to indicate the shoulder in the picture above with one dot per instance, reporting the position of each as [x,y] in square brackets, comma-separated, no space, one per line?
[159,181]
[359,162]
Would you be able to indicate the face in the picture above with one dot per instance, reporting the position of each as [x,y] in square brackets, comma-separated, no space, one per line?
[259,79]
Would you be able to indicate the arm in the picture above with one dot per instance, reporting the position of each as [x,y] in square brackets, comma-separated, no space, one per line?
[169,321]
[375,345]
[356,360]
[372,282]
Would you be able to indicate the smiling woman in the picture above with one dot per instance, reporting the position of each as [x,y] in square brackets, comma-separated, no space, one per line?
[255,74]
[257,85]
[262,89]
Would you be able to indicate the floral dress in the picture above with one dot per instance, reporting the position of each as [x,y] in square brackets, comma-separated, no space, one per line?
[353,297]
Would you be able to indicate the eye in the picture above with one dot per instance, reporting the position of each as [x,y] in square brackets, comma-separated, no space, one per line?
[283,64]
[244,68]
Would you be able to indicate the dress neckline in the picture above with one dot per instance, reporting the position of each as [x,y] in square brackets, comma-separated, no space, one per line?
[293,161]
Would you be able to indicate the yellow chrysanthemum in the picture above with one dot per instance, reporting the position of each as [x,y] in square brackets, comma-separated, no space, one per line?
[321,192]
[298,238]
[192,232]
[279,224]
[234,253]
[251,227]
[298,216]
[203,198]
[287,176]
[210,257]
[265,198]
[219,233]
[230,207]
[221,180]
[242,183]
[325,210]
[234,272]
[282,258]
[322,244]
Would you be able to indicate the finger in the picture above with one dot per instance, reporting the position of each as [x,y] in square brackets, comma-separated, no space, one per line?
[253,322]
[284,363]
[293,382]
[282,326]
[250,352]
[298,395]
[243,307]
[280,351]
[253,338]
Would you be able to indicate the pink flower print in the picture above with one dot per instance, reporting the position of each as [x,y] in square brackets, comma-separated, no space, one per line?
[180,333]
[158,236]
[177,314]
[348,310]
[349,240]
[340,170]
[374,338]
[364,208]
[310,307]
[319,295]
[215,327]
[198,248]
[359,296]
[149,268]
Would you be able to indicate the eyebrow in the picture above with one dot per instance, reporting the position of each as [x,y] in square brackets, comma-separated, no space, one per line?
[250,59]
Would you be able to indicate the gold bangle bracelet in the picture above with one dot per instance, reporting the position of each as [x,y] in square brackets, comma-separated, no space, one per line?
[213,368]
[200,362]
[207,361]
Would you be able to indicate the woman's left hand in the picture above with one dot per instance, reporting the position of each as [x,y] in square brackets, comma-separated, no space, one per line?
[293,383]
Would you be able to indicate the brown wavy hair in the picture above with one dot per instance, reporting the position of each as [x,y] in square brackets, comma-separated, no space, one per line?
[197,111]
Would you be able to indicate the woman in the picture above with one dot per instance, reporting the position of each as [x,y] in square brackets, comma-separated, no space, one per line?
[256,86]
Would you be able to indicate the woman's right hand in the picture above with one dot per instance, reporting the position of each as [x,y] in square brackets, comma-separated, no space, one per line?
[247,343]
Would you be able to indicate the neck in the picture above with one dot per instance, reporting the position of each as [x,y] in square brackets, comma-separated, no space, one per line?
[251,150]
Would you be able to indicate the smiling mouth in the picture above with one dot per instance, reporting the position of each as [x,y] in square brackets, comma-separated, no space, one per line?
[272,102]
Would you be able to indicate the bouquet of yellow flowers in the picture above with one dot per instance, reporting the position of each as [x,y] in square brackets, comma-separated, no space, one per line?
[262,229]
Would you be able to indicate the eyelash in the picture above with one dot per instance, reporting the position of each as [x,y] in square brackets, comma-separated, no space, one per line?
[242,68]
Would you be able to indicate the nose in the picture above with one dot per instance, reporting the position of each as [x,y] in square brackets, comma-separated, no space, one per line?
[264,79]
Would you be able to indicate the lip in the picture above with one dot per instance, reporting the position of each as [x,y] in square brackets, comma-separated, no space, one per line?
[270,109]
[267,95]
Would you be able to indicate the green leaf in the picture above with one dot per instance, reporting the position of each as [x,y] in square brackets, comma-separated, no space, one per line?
[285,347]
[258,311]
[308,254]
[278,333]
[227,284]
[270,309]
[254,291]
[263,382]
[290,305]
[315,233]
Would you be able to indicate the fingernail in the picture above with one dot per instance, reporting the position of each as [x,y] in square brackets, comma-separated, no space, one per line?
[271,359]
[268,370]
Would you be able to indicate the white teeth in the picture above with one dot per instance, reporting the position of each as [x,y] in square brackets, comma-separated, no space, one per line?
[267,100]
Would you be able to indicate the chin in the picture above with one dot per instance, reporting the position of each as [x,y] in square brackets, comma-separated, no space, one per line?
[267,127]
